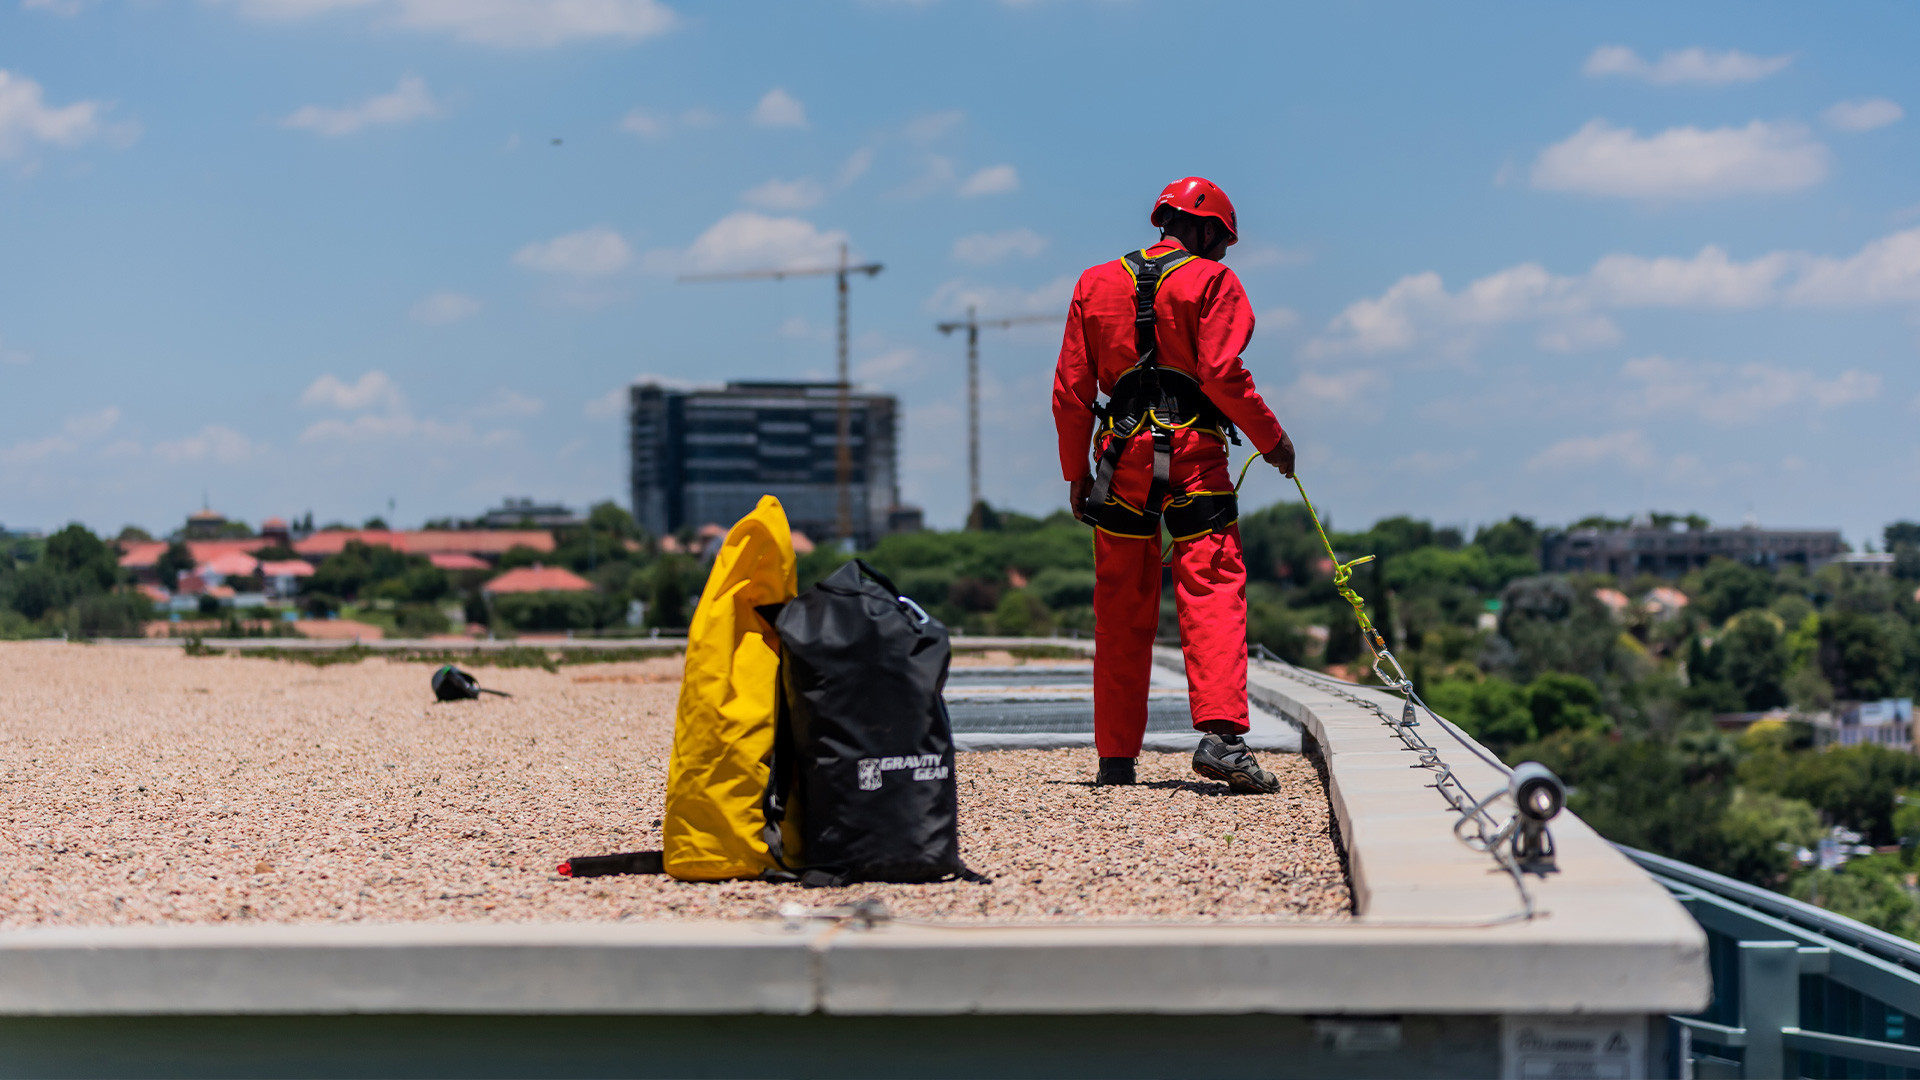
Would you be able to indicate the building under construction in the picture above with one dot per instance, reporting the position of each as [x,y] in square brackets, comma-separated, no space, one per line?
[707,455]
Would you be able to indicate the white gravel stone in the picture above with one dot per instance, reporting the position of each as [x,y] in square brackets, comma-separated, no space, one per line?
[146,786]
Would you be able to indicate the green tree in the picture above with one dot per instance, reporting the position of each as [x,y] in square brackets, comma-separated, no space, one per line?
[610,518]
[1752,656]
[1561,702]
[1759,833]
[668,588]
[1493,710]
[87,558]
[1516,536]
[1871,890]
[1855,786]
[1021,614]
[1862,655]
[1555,627]
[1664,796]
[1727,588]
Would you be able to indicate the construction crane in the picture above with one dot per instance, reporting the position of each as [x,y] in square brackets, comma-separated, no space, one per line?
[972,325]
[843,439]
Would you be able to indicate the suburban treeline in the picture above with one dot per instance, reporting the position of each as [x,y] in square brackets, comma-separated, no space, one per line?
[70,583]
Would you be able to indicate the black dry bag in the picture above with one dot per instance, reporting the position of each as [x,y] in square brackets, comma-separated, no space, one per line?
[871,751]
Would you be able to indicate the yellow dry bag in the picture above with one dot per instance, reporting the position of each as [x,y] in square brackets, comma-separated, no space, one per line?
[715,822]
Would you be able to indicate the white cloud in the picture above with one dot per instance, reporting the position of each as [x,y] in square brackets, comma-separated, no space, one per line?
[379,427]
[746,239]
[1340,386]
[891,362]
[927,128]
[35,450]
[1261,256]
[215,442]
[1683,162]
[992,180]
[1579,333]
[26,118]
[409,101]
[1629,448]
[13,356]
[591,252]
[1707,280]
[1706,67]
[780,109]
[611,404]
[92,425]
[643,123]
[797,328]
[1886,271]
[1729,395]
[510,24]
[1418,310]
[441,308]
[510,403]
[983,248]
[1863,115]
[379,413]
[956,296]
[373,390]
[776,194]
[1282,319]
[1434,462]
[854,167]
[76,430]
[936,172]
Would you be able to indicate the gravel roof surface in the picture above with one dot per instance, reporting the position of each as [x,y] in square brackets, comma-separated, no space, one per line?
[142,785]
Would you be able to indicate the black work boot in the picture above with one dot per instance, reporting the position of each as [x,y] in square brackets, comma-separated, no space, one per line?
[1227,759]
[1114,771]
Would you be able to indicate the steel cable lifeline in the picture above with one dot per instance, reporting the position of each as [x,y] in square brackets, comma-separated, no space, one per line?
[1488,834]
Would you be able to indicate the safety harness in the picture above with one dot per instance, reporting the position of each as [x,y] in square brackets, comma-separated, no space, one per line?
[1157,401]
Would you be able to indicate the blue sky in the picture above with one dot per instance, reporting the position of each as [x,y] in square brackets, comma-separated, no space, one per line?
[1538,259]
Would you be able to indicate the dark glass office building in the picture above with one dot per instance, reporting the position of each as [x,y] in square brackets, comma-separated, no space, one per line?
[706,456]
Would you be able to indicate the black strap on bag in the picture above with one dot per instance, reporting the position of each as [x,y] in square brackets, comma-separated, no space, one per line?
[1149,398]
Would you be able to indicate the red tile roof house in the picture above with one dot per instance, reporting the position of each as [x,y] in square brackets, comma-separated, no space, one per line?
[537,578]
[458,560]
[282,577]
[142,558]
[485,543]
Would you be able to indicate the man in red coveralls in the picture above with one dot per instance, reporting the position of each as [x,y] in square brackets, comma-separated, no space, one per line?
[1160,331]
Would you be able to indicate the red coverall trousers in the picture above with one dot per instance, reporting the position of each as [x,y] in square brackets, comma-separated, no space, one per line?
[1210,593]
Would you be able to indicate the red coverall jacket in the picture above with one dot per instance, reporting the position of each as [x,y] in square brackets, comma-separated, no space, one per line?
[1202,322]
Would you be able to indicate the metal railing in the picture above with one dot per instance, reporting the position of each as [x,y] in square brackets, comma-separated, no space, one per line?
[1798,991]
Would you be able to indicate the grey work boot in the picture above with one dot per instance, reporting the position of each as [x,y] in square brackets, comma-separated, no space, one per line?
[1227,759]
[1114,771]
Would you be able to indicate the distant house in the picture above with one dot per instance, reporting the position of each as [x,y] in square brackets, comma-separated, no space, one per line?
[480,543]
[1887,722]
[282,577]
[513,513]
[205,524]
[1664,602]
[453,561]
[226,564]
[537,578]
[206,551]
[141,558]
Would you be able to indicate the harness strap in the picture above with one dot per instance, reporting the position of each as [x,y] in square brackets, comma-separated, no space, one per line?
[1138,399]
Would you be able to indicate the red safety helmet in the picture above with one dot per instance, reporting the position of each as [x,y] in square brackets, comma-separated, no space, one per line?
[1198,196]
